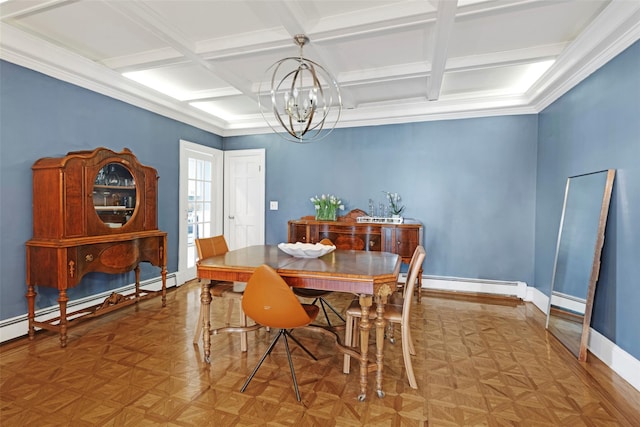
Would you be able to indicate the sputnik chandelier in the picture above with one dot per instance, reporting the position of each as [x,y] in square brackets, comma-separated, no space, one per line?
[304,98]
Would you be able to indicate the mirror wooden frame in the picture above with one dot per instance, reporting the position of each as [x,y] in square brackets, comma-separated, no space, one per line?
[564,317]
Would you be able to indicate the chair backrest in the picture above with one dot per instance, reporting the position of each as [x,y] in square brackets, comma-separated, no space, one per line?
[211,246]
[411,264]
[412,278]
[269,301]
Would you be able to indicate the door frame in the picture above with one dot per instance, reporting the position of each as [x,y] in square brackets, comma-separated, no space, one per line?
[185,273]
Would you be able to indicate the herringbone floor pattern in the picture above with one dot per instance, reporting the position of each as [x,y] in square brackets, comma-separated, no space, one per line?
[478,363]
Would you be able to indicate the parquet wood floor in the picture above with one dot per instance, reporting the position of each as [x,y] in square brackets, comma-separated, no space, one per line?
[480,362]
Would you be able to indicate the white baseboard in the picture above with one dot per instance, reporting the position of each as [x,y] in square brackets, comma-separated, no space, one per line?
[18,326]
[621,362]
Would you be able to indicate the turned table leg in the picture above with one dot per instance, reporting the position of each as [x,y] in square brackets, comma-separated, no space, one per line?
[365,326]
[380,329]
[205,301]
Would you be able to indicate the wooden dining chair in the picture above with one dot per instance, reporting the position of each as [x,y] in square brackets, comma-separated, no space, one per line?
[397,311]
[229,291]
[269,301]
[318,295]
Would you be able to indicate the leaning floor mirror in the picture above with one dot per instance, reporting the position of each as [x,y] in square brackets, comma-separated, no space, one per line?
[577,262]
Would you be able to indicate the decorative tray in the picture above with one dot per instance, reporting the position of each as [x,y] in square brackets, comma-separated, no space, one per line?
[306,250]
[380,219]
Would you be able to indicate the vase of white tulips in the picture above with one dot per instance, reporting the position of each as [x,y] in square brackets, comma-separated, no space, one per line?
[327,206]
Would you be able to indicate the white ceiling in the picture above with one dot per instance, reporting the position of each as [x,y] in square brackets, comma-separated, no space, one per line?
[396,61]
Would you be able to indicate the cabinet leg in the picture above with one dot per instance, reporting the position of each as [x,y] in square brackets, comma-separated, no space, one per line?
[31,300]
[62,302]
[137,271]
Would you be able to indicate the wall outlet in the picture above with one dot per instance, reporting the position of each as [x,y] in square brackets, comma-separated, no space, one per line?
[273,205]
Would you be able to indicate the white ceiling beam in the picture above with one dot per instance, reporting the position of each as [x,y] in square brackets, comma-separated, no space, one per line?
[439,46]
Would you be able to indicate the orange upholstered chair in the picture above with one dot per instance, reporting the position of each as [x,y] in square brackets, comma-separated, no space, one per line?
[269,301]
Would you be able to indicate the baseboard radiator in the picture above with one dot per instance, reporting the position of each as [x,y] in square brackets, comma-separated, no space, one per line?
[475,286]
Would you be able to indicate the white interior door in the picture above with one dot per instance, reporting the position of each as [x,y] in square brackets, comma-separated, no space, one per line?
[244,204]
[201,207]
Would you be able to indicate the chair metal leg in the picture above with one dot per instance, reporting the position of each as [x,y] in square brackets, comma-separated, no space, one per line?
[288,333]
[324,310]
[281,333]
[264,356]
[332,308]
[293,372]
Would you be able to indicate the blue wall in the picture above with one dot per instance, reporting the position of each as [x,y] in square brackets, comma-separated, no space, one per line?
[593,127]
[44,117]
[470,182]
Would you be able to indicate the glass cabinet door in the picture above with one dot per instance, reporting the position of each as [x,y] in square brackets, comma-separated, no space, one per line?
[114,195]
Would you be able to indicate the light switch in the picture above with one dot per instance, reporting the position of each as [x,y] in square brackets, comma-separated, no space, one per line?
[273,205]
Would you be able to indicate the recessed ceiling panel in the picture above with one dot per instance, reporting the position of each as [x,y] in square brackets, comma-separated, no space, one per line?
[375,51]
[511,28]
[498,81]
[390,91]
[229,109]
[92,29]
[183,82]
[202,20]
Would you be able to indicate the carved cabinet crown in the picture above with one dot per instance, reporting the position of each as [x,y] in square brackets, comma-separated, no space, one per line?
[93,193]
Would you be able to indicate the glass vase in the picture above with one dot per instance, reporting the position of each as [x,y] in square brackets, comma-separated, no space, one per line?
[326,213]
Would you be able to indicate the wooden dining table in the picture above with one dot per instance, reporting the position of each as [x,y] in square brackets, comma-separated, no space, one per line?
[370,275]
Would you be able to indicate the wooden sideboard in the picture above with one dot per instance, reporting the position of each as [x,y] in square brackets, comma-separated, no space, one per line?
[93,211]
[347,233]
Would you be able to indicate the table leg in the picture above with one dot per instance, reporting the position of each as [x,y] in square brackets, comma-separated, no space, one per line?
[381,300]
[205,302]
[365,326]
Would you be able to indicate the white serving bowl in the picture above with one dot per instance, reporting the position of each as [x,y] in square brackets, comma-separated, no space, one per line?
[306,250]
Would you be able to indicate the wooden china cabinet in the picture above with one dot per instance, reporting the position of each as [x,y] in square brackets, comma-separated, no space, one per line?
[93,211]
[348,233]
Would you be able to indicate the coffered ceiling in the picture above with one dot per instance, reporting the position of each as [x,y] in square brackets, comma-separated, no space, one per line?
[396,61]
